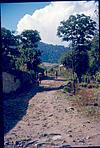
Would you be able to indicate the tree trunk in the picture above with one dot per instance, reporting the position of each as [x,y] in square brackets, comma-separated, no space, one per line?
[80,79]
[74,87]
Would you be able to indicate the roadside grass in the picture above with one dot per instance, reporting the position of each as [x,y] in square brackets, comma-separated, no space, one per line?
[87,98]
[87,102]
[67,74]
[97,91]
[92,112]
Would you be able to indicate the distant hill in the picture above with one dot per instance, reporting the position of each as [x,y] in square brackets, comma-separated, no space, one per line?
[51,53]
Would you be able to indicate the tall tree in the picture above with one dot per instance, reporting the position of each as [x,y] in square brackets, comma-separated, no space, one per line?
[9,50]
[79,30]
[77,61]
[29,54]
[94,55]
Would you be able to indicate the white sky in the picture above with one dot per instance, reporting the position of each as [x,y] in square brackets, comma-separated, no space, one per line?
[47,19]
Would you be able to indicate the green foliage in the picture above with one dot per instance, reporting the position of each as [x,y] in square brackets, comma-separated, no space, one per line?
[20,52]
[51,53]
[83,84]
[95,41]
[7,39]
[9,49]
[30,38]
[94,55]
[80,61]
[86,78]
[27,45]
[96,90]
[77,60]
[67,89]
[92,85]
[97,77]
[66,59]
[80,30]
[66,73]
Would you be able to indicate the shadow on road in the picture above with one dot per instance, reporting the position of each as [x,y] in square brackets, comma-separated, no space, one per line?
[53,78]
[51,88]
[16,107]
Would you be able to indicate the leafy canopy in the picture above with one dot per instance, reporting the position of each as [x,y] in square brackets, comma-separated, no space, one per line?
[78,61]
[94,55]
[79,29]
[9,50]
[27,44]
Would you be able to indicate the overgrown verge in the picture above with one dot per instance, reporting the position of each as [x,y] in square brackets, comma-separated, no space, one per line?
[86,100]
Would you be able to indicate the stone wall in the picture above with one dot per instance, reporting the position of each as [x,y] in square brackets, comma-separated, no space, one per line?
[10,83]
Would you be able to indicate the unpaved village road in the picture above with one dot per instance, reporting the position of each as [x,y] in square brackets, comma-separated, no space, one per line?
[48,121]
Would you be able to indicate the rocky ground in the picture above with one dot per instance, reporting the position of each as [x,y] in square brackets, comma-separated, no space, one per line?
[46,118]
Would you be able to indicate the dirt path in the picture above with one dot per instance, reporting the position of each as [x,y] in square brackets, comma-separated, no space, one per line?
[51,121]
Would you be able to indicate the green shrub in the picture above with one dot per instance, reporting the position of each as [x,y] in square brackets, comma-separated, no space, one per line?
[97,77]
[96,90]
[83,84]
[93,85]
[68,89]
[86,78]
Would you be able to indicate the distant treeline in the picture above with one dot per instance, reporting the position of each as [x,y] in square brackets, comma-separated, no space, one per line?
[51,53]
